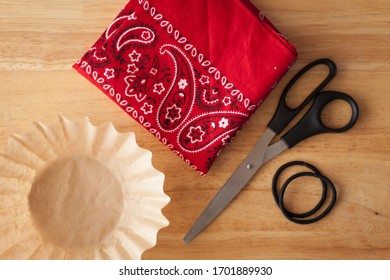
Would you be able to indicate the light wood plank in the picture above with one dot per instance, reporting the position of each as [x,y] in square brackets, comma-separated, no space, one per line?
[41,40]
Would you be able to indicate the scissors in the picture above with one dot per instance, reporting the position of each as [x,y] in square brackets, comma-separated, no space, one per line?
[309,125]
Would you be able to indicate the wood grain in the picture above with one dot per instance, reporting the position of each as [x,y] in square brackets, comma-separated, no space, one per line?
[41,40]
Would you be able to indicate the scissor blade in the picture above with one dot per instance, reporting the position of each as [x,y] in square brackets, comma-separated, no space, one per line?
[233,186]
[274,150]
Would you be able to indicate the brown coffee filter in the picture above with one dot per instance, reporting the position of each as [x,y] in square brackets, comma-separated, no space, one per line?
[71,190]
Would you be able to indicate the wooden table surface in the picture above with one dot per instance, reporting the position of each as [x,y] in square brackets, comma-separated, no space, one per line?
[40,40]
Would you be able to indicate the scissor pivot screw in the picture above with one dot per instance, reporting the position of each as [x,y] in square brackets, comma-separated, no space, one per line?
[249,166]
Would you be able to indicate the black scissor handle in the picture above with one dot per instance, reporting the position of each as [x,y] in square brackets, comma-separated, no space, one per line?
[284,114]
[312,124]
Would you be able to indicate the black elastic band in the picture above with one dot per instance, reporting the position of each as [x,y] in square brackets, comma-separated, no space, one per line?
[299,218]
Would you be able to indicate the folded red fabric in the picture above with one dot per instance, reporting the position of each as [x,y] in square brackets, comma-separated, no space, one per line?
[191,72]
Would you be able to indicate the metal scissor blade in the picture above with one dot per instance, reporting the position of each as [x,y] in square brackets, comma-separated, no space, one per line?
[274,150]
[233,186]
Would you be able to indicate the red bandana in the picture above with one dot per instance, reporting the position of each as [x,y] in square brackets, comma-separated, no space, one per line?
[191,72]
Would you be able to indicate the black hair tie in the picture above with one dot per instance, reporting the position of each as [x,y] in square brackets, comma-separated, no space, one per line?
[303,218]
